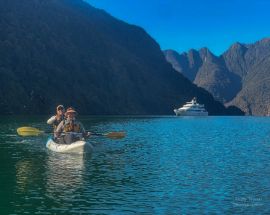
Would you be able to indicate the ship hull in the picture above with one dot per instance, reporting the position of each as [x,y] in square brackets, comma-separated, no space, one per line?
[190,113]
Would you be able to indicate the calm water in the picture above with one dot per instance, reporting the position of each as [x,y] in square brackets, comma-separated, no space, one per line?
[165,165]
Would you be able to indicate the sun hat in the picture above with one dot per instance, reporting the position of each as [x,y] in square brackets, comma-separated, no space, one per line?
[70,110]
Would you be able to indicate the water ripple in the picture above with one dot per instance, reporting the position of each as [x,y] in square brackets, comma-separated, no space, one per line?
[165,165]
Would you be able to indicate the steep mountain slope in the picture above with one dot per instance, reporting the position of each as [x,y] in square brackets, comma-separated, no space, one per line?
[238,77]
[186,63]
[68,52]
[206,71]
[254,98]
[251,63]
[215,78]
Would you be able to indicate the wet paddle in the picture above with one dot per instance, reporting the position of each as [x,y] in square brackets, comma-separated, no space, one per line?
[30,131]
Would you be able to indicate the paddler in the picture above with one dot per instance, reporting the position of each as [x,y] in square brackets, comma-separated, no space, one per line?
[70,129]
[59,117]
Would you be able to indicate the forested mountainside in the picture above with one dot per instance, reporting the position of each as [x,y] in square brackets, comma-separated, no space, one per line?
[68,52]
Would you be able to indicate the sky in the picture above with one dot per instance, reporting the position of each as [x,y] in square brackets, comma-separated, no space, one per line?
[185,24]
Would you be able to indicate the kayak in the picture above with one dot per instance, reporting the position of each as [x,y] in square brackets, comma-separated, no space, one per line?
[78,147]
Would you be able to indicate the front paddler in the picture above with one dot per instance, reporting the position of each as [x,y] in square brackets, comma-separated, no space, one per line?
[70,129]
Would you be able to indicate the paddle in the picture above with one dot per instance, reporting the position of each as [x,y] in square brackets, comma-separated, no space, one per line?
[30,131]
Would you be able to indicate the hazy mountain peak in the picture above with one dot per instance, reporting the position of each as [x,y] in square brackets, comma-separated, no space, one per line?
[235,51]
[240,76]
[207,56]
[264,41]
[192,51]
[237,46]
[205,52]
[171,52]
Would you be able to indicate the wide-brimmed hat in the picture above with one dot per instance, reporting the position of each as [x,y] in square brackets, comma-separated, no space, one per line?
[70,110]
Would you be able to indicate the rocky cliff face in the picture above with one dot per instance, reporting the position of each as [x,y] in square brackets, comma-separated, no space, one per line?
[252,64]
[238,77]
[68,52]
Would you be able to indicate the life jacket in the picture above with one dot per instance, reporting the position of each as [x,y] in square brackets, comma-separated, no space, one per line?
[57,122]
[71,127]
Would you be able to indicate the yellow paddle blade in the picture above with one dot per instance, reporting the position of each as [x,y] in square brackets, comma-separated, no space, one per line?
[29,131]
[115,135]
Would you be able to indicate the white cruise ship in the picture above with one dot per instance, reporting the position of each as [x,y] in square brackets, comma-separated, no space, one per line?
[191,109]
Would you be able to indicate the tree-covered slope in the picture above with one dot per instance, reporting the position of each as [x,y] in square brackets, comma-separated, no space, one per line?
[68,52]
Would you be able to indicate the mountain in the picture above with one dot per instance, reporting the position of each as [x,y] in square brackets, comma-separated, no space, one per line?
[238,77]
[206,70]
[252,64]
[68,52]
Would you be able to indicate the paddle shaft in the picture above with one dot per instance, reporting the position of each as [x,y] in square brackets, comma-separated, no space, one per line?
[30,131]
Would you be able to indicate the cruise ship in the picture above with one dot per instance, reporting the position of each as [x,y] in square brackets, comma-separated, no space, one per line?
[191,109]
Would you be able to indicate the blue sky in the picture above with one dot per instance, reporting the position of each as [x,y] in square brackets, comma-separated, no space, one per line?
[185,24]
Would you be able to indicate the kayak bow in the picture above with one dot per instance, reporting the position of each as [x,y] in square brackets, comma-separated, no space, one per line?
[78,147]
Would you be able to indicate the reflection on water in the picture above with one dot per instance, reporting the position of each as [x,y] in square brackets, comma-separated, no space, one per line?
[54,183]
[64,175]
[214,165]
[24,172]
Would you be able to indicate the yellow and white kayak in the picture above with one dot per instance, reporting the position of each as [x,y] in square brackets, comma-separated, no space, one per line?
[78,147]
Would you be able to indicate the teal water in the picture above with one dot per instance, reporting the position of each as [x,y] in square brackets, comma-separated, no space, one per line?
[165,165]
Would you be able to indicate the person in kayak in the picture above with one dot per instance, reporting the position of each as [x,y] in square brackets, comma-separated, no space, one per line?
[59,117]
[70,129]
